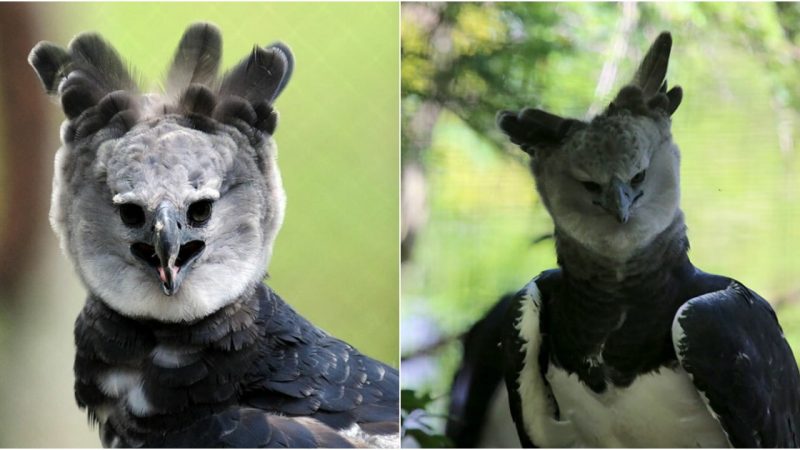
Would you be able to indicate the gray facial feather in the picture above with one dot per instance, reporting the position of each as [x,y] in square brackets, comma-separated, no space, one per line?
[165,161]
[619,145]
[621,148]
[125,148]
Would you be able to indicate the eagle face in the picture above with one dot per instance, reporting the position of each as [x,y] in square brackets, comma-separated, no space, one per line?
[167,203]
[613,184]
[175,224]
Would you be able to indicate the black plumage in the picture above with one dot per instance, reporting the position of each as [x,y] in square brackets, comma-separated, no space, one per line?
[751,381]
[733,349]
[478,378]
[251,370]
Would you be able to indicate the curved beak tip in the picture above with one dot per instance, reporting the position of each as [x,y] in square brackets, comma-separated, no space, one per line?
[617,201]
[623,215]
[169,280]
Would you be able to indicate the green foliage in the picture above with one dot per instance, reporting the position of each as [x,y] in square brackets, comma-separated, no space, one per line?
[469,57]
[790,319]
[412,400]
[413,420]
[428,438]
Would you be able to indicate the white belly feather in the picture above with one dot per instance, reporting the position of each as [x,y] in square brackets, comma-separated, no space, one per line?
[660,409]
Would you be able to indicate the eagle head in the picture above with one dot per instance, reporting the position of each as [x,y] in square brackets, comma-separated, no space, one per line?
[611,183]
[167,203]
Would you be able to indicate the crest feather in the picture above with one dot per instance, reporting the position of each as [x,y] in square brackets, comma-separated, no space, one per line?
[197,58]
[261,76]
[653,69]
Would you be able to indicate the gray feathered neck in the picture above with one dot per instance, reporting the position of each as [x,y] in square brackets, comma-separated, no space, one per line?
[668,249]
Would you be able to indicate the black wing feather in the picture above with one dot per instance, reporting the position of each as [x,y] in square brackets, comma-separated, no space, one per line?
[734,348]
[478,377]
[318,374]
[252,428]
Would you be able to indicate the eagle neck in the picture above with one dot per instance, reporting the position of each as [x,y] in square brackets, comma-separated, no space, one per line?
[648,267]
[613,318]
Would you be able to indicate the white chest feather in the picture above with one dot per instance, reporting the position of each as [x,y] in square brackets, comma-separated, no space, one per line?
[660,409]
[125,386]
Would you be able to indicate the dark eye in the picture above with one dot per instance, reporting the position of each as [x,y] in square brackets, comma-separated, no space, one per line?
[591,186]
[131,215]
[638,178]
[199,212]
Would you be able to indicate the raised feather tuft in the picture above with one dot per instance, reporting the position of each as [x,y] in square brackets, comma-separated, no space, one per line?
[197,58]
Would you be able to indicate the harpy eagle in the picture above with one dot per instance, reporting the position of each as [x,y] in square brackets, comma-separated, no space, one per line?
[626,344]
[168,205]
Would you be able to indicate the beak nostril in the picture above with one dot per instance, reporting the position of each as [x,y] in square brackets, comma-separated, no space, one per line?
[189,252]
[146,253]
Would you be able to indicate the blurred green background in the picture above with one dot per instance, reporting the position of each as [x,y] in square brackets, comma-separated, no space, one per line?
[473,227]
[336,258]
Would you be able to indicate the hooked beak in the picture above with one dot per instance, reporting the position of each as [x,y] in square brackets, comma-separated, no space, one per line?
[172,250]
[618,199]
[167,244]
